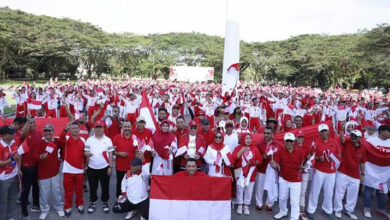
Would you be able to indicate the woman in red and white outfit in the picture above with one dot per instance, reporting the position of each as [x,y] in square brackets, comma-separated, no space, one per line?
[247,157]
[165,146]
[219,157]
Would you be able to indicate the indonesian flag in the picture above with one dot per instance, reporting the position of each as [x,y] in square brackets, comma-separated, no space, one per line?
[147,112]
[23,148]
[231,57]
[141,145]
[190,198]
[33,104]
[377,166]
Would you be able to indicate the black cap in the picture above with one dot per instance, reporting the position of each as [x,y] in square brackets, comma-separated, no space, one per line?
[205,121]
[6,130]
[271,119]
[136,162]
[384,128]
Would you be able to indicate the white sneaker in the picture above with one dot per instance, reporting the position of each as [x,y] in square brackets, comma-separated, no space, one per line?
[43,216]
[351,215]
[129,215]
[60,213]
[246,210]
[337,214]
[239,209]
[367,212]
[280,215]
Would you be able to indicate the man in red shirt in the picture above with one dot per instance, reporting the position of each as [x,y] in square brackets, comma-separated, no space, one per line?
[350,173]
[48,169]
[206,132]
[29,166]
[73,168]
[190,169]
[113,123]
[265,147]
[125,153]
[327,153]
[144,135]
[180,129]
[290,160]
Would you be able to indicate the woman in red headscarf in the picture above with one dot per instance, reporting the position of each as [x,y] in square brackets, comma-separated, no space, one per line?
[247,157]
[218,157]
[165,146]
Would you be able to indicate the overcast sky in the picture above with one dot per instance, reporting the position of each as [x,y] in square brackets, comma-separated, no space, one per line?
[259,20]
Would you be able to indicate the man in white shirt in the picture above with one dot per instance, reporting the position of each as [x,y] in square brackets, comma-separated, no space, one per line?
[98,150]
[134,192]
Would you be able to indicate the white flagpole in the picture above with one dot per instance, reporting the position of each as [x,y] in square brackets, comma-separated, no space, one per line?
[231,56]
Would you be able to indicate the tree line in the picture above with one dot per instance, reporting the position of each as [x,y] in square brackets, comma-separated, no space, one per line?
[36,47]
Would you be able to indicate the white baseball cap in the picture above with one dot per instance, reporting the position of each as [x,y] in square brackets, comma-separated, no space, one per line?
[140,118]
[357,133]
[289,136]
[323,127]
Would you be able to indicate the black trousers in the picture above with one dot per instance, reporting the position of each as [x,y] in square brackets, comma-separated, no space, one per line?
[127,206]
[96,176]
[119,178]
[29,178]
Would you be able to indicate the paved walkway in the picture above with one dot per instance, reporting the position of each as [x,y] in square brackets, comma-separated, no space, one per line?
[99,215]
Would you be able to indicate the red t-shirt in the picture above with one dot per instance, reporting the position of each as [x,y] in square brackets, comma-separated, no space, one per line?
[73,150]
[123,144]
[31,157]
[352,158]
[184,173]
[180,133]
[325,149]
[290,163]
[114,129]
[49,166]
[305,148]
[208,136]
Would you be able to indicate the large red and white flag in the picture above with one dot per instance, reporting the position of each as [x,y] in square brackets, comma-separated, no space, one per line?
[190,198]
[377,167]
[147,112]
[231,57]
[33,104]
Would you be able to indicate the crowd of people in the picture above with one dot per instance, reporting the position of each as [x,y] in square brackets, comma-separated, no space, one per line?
[199,131]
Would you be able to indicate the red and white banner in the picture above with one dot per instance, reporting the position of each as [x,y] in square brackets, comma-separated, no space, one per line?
[190,198]
[191,73]
[377,167]
[147,112]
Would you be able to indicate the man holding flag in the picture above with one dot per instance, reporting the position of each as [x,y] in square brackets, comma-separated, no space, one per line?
[377,171]
[326,153]
[9,170]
